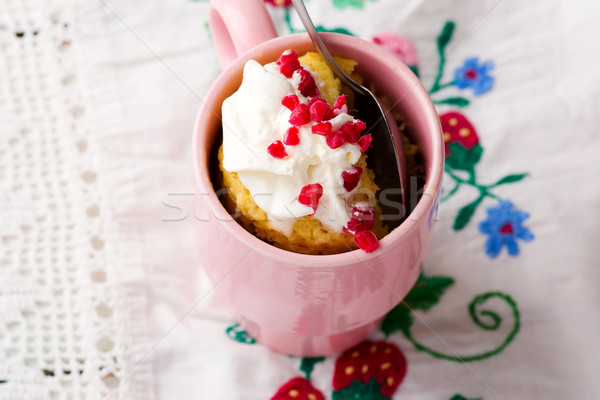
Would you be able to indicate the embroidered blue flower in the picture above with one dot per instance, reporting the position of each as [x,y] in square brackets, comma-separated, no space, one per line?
[504,225]
[474,75]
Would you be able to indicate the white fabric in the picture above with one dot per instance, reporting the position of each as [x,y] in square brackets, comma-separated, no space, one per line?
[95,142]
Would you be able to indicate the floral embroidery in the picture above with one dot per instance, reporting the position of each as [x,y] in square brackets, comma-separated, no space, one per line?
[367,368]
[298,389]
[458,129]
[235,332]
[400,46]
[474,75]
[279,3]
[461,397]
[308,364]
[426,293]
[341,4]
[504,225]
[461,141]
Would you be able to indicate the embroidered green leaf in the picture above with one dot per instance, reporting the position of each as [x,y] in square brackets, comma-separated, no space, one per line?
[235,332]
[458,397]
[308,364]
[398,319]
[359,391]
[455,101]
[510,179]
[445,36]
[321,28]
[427,292]
[464,214]
[341,4]
[414,69]
[463,159]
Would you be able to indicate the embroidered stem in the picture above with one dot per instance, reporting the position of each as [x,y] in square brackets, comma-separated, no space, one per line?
[471,181]
[442,42]
[493,324]
[288,21]
[441,86]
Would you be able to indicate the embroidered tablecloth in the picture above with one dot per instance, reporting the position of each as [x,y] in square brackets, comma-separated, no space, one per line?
[101,294]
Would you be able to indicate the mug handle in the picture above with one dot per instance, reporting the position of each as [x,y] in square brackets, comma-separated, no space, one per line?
[237,26]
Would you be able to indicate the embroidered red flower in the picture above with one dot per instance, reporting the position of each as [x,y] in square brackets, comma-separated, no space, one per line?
[279,3]
[398,45]
[298,389]
[457,128]
[381,361]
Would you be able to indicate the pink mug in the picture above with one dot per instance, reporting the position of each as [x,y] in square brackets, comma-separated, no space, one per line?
[309,305]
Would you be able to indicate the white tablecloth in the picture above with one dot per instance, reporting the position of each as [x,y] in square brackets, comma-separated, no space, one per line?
[101,295]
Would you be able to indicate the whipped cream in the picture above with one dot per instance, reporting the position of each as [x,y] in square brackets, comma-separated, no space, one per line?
[253,118]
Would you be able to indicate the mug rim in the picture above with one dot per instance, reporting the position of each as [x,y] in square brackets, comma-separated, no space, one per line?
[418,216]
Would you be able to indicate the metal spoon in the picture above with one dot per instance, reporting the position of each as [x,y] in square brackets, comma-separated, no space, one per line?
[387,142]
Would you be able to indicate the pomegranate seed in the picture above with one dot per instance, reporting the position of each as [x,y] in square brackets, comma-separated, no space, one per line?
[313,100]
[290,102]
[335,139]
[291,137]
[277,149]
[323,128]
[307,85]
[288,63]
[351,177]
[300,115]
[350,134]
[367,241]
[339,102]
[365,142]
[288,70]
[288,57]
[363,217]
[320,111]
[310,195]
[359,126]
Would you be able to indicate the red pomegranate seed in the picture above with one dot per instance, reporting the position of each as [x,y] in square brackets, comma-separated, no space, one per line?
[307,85]
[323,128]
[300,115]
[291,137]
[290,102]
[335,139]
[277,149]
[288,63]
[310,195]
[359,126]
[289,56]
[351,177]
[320,111]
[363,217]
[367,241]
[339,102]
[313,100]
[365,142]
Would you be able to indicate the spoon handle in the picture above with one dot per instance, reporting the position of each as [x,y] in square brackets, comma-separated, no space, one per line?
[322,49]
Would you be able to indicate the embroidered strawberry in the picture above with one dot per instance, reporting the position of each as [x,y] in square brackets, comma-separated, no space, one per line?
[298,389]
[382,362]
[462,146]
[458,129]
